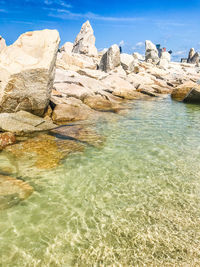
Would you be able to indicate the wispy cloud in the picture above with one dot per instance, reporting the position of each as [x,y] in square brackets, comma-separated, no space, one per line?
[66,14]
[138,45]
[3,10]
[122,43]
[61,3]
[180,53]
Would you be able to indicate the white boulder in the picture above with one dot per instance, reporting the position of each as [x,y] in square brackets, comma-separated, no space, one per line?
[111,59]
[27,72]
[85,41]
[151,52]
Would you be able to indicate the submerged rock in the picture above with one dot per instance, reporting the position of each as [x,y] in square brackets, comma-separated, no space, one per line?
[27,72]
[6,139]
[44,151]
[23,122]
[85,41]
[12,191]
[111,59]
[81,133]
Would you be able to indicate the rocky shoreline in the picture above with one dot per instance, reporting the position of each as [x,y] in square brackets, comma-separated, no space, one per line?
[43,88]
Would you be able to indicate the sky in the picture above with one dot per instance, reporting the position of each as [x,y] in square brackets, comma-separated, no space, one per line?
[175,24]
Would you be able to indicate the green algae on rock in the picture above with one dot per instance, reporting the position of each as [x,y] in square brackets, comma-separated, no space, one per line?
[12,191]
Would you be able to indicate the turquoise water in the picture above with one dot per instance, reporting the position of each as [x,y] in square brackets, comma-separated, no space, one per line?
[133,202]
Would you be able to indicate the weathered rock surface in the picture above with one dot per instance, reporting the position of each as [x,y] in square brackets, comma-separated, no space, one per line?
[151,52]
[23,122]
[138,56]
[27,72]
[2,43]
[6,139]
[12,191]
[75,62]
[111,59]
[193,96]
[85,41]
[190,55]
[70,109]
[183,90]
[67,47]
[128,62]
[193,57]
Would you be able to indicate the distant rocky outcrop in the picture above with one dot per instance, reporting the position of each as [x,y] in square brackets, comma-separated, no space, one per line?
[85,41]
[111,59]
[27,72]
[151,52]
[193,57]
[2,43]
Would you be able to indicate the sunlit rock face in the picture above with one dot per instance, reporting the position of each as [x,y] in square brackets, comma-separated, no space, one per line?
[111,59]
[85,41]
[151,52]
[27,72]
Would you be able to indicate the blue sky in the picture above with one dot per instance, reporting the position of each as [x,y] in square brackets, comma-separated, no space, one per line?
[173,23]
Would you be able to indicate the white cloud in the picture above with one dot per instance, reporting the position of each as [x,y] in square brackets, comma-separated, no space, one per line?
[180,53]
[66,14]
[3,11]
[138,45]
[61,3]
[122,43]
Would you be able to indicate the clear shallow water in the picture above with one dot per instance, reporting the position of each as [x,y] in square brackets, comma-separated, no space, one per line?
[133,202]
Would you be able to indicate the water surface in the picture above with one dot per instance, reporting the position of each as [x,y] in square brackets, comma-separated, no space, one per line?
[133,202]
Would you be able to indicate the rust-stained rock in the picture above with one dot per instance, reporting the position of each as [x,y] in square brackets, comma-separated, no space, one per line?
[6,139]
[44,151]
[101,103]
[12,191]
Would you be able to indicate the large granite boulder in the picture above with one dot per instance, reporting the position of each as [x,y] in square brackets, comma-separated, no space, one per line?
[23,122]
[85,41]
[128,62]
[164,59]
[151,52]
[2,43]
[27,72]
[111,59]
